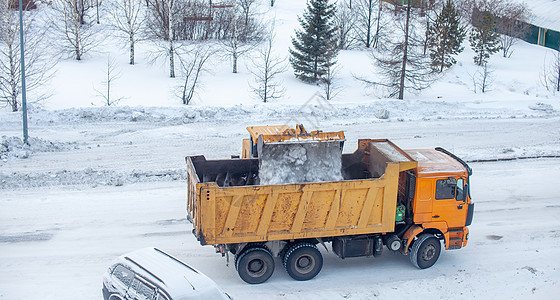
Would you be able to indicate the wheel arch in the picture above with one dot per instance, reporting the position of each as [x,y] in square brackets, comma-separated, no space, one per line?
[439,229]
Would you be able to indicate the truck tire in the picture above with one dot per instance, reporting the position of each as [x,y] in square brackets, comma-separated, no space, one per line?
[303,261]
[425,251]
[255,265]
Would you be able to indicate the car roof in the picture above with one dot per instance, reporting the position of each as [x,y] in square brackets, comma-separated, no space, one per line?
[431,161]
[180,280]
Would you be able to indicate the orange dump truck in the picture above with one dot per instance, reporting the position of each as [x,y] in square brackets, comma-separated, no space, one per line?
[411,201]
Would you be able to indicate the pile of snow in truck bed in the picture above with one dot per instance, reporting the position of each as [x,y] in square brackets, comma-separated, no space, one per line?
[296,162]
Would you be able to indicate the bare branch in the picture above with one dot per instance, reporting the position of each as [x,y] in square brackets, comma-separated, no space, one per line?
[192,66]
[38,67]
[266,67]
[111,75]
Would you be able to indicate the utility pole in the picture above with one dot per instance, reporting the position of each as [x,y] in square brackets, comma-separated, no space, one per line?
[23,96]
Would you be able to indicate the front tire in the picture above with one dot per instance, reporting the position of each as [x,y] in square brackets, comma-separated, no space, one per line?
[255,265]
[425,251]
[303,261]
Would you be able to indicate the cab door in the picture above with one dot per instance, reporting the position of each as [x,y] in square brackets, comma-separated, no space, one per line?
[450,204]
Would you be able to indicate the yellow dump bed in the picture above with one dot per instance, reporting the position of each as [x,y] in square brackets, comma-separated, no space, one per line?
[226,206]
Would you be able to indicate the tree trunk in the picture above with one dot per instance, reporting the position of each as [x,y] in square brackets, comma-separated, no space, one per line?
[405,54]
[97,10]
[375,43]
[265,92]
[171,46]
[234,56]
[77,44]
[171,60]
[315,69]
[442,58]
[426,37]
[368,34]
[14,94]
[131,50]
[108,83]
[82,12]
[13,75]
[558,72]
[234,42]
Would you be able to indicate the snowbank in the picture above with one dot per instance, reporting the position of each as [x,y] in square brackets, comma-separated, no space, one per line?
[15,147]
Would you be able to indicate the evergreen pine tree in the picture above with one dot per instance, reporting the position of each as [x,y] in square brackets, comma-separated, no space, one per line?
[316,39]
[445,37]
[484,40]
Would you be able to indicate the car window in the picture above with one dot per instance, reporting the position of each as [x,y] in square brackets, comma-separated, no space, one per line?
[123,275]
[445,188]
[142,290]
[460,189]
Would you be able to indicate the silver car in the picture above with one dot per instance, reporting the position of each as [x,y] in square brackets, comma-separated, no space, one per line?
[151,274]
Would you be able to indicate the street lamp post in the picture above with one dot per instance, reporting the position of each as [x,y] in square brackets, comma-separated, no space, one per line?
[23,96]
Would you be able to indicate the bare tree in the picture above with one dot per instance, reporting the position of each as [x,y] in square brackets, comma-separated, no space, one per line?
[345,21]
[37,66]
[170,38]
[266,68]
[192,66]
[329,82]
[550,76]
[465,10]
[111,75]
[97,4]
[403,64]
[128,21]
[368,25]
[247,9]
[161,24]
[157,25]
[242,39]
[235,47]
[511,25]
[81,8]
[75,30]
[483,78]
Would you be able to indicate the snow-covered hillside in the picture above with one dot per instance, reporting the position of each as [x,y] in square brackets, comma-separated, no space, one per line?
[97,181]
[516,80]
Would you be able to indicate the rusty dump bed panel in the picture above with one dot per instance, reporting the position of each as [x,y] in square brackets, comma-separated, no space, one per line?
[365,202]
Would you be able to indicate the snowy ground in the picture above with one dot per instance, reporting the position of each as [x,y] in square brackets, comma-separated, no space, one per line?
[117,185]
[60,240]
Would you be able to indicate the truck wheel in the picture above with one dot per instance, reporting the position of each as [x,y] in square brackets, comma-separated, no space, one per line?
[255,265]
[303,261]
[425,251]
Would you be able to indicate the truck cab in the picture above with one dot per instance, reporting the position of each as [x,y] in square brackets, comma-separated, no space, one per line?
[441,201]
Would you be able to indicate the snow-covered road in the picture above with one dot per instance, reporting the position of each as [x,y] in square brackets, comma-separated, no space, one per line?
[56,243]
[117,152]
[77,209]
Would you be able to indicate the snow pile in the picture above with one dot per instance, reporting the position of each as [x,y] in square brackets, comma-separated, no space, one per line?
[88,176]
[300,162]
[12,146]
[547,108]
[308,113]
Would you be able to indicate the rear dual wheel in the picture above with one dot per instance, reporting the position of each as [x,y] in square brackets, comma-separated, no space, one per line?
[255,265]
[303,261]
